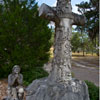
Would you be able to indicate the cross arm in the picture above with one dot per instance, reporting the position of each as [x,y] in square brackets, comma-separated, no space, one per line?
[49,13]
[78,19]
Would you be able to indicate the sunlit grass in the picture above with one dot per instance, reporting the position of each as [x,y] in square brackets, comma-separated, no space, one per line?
[75,55]
[81,54]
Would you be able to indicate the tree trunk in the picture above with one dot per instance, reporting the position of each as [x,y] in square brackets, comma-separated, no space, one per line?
[92,52]
[82,41]
[83,52]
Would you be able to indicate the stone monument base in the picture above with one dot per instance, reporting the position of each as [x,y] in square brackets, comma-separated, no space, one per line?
[44,89]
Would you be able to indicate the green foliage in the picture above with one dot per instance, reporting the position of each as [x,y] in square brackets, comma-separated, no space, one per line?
[75,41]
[35,74]
[80,41]
[91,11]
[93,91]
[24,39]
[52,37]
[86,45]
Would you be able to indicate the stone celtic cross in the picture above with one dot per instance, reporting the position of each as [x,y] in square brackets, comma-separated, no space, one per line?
[64,18]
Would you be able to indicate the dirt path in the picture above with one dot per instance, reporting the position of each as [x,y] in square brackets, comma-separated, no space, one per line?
[86,68]
[91,75]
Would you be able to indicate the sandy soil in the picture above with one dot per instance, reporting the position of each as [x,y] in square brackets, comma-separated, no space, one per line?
[3,88]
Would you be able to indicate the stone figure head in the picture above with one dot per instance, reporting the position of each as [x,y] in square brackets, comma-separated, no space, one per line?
[16,69]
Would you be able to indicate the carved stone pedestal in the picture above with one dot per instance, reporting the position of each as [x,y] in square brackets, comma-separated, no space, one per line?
[44,89]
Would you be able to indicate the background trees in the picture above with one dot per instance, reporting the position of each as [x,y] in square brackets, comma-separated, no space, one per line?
[24,39]
[82,43]
[91,12]
[75,41]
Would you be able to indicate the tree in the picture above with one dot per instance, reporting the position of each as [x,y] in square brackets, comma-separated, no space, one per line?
[91,12]
[79,41]
[24,39]
[75,41]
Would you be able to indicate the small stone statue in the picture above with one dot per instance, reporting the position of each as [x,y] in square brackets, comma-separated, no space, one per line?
[15,89]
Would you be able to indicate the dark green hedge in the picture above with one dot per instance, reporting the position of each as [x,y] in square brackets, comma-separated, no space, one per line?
[24,39]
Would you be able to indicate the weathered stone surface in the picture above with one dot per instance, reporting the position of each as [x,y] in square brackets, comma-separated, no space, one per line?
[60,85]
[44,89]
[64,18]
[15,89]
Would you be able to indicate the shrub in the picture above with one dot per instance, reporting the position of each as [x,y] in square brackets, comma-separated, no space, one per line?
[34,74]
[93,91]
[24,39]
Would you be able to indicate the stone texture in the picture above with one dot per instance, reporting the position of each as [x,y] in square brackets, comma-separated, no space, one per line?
[64,19]
[15,89]
[60,85]
[44,89]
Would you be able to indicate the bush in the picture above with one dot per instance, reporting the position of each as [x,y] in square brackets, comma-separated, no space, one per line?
[93,91]
[34,74]
[24,39]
